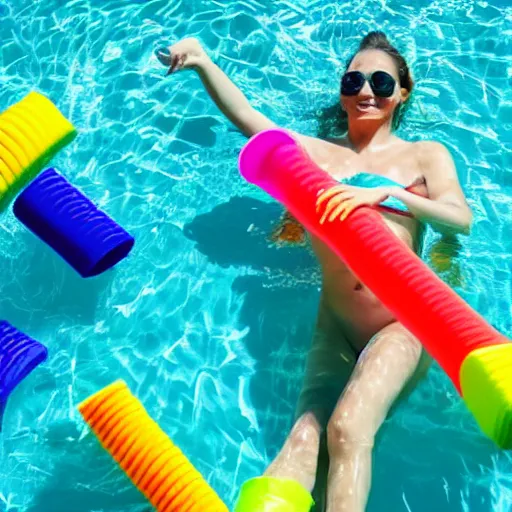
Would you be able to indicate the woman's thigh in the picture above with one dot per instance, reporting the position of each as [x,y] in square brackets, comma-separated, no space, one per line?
[330,363]
[388,368]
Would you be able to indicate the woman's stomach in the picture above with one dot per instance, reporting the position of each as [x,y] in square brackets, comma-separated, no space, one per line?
[360,312]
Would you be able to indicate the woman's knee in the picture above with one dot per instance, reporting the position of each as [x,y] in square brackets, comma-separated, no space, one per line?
[297,460]
[383,371]
[349,428]
[306,434]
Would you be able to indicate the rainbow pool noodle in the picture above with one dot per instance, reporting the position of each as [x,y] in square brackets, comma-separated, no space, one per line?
[146,454]
[476,357]
[32,131]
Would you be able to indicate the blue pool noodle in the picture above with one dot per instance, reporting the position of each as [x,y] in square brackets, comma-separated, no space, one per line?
[60,215]
[19,355]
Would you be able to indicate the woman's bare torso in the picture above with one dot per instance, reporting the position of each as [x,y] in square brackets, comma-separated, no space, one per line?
[359,312]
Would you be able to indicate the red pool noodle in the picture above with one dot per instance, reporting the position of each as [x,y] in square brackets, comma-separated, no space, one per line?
[448,328]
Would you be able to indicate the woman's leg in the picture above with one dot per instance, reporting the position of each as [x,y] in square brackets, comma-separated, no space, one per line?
[330,363]
[392,360]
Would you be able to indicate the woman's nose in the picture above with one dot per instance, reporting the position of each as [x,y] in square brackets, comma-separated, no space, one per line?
[366,90]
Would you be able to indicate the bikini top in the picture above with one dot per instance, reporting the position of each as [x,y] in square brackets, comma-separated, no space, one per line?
[368,180]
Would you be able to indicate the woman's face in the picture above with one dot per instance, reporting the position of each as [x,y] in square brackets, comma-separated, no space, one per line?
[366,105]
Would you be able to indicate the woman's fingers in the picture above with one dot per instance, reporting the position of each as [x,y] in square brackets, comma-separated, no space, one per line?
[335,199]
[341,202]
[332,205]
[341,211]
[175,60]
[327,194]
[350,207]
[338,210]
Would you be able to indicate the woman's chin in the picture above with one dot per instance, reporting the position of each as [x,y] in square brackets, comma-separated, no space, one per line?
[370,115]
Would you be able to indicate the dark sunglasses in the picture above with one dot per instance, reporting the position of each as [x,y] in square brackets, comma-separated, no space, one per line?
[382,83]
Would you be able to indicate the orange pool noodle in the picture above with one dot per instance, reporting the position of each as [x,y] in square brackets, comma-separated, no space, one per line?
[150,459]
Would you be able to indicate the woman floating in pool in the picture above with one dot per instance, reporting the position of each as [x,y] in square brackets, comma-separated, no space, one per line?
[361,359]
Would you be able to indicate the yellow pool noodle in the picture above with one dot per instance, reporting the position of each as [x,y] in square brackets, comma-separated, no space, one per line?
[486,382]
[32,131]
[146,454]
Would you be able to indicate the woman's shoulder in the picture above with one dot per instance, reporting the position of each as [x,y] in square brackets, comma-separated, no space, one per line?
[315,145]
[429,146]
[431,153]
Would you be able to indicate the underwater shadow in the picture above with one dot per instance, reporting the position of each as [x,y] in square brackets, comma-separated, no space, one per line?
[280,303]
[236,234]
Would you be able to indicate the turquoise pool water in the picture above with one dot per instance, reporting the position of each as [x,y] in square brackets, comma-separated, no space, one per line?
[208,324]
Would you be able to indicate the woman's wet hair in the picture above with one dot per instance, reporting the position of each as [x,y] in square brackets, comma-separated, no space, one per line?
[334,118]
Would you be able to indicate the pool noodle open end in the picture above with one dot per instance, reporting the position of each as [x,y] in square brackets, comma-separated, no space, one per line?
[32,131]
[146,454]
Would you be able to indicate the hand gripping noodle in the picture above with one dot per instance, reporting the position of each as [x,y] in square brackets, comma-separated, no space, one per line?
[154,464]
[31,132]
[476,357]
